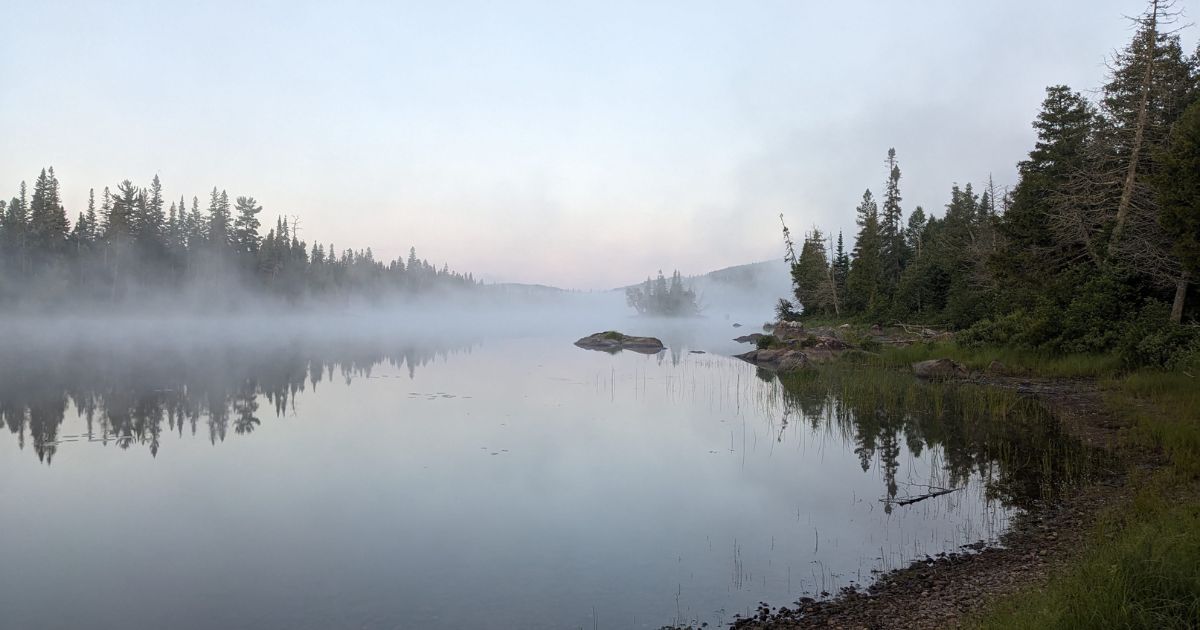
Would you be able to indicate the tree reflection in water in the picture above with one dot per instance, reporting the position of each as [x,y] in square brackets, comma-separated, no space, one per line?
[130,397]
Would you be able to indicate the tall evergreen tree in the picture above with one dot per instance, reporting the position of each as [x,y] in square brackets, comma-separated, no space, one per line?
[151,218]
[48,225]
[841,268]
[862,282]
[245,226]
[894,252]
[196,226]
[122,212]
[218,219]
[1179,195]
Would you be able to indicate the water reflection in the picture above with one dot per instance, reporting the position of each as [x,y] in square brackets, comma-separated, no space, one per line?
[128,397]
[1009,440]
[543,483]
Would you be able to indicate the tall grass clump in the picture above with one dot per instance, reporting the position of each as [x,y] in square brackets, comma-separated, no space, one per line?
[1140,570]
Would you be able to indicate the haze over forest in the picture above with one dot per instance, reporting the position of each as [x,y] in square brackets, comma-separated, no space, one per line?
[529,143]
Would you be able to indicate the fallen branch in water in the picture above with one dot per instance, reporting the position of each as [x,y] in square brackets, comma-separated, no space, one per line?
[911,500]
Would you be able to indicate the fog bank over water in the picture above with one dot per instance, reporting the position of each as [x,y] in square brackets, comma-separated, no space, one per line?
[744,295]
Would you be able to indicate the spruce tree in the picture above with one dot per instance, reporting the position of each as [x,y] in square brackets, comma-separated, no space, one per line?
[893,247]
[841,268]
[1178,186]
[218,219]
[48,225]
[862,282]
[196,232]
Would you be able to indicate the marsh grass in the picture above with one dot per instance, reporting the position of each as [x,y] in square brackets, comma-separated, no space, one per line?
[1140,566]
[1016,361]
[1139,569]
[1166,406]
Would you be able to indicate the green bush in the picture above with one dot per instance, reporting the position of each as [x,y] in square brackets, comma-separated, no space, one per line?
[766,341]
[1151,340]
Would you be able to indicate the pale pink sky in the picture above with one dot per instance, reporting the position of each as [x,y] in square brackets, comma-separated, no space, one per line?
[544,142]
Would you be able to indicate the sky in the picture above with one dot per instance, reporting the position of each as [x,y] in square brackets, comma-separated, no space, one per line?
[583,145]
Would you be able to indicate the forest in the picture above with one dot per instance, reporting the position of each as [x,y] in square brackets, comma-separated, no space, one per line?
[130,244]
[1094,250]
[670,298]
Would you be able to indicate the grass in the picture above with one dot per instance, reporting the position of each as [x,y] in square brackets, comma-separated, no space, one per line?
[1166,407]
[1015,361]
[1140,569]
[1140,566]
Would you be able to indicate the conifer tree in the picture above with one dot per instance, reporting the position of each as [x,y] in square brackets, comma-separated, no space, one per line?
[218,219]
[893,247]
[48,225]
[245,226]
[197,233]
[841,267]
[1179,195]
[862,281]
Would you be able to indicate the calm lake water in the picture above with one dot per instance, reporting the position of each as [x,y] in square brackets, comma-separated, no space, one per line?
[492,483]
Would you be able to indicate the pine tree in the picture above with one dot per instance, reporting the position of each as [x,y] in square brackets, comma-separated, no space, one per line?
[1179,195]
[1150,85]
[862,281]
[841,267]
[1032,227]
[197,234]
[48,225]
[93,231]
[894,252]
[121,214]
[812,278]
[218,219]
[245,227]
[151,219]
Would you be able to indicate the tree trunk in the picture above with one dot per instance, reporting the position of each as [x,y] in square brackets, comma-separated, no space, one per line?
[1181,288]
[1139,134]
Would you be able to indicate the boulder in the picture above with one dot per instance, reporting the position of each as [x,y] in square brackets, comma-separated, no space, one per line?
[737,325]
[788,332]
[613,341]
[940,369]
[996,367]
[777,359]
[751,338]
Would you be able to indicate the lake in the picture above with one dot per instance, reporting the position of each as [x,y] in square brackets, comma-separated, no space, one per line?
[498,481]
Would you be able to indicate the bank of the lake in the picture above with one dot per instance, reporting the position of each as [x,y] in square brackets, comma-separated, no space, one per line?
[1123,551]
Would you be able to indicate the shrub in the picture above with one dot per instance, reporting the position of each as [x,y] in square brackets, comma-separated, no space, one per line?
[1150,340]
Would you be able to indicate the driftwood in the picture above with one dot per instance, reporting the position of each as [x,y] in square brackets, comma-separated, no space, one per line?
[911,500]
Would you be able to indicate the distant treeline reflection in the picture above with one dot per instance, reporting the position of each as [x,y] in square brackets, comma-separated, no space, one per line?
[132,397]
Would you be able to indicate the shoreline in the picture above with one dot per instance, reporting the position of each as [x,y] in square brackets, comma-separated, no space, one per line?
[946,591]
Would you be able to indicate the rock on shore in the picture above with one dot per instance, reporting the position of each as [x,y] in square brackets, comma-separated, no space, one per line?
[777,359]
[940,369]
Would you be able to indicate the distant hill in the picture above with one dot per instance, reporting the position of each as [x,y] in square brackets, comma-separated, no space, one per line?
[749,275]
[765,274]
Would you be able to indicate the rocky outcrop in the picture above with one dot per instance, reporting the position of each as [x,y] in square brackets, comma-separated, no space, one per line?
[940,369]
[613,341]
[777,359]
[751,338]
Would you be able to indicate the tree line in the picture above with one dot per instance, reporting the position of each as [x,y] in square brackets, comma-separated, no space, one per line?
[1095,249]
[670,298]
[132,242]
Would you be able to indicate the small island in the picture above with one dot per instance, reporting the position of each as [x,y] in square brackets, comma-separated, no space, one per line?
[613,341]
